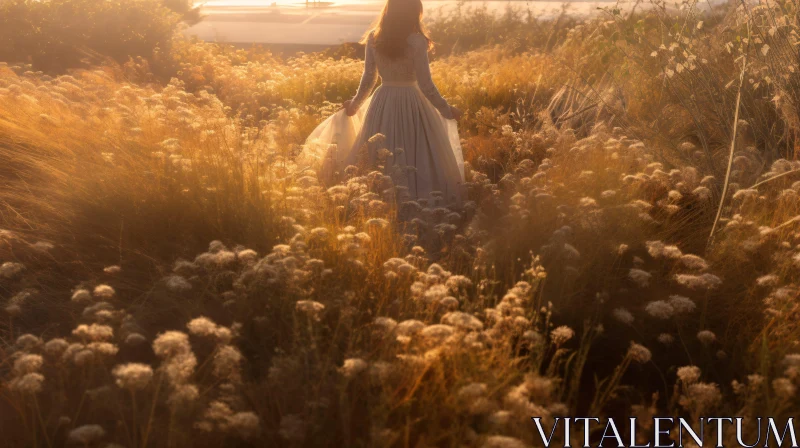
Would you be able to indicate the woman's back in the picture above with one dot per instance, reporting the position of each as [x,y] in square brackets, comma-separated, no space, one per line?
[400,69]
[410,68]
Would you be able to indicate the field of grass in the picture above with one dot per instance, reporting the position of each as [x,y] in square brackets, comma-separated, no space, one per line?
[169,276]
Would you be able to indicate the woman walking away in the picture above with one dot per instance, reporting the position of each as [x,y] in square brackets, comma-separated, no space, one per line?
[406,115]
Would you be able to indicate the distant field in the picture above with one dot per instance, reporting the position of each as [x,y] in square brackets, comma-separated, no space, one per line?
[329,23]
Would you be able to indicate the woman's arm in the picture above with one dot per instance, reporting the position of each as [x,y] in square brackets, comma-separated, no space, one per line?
[421,65]
[368,79]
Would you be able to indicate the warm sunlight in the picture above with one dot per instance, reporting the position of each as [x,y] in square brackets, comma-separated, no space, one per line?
[399,223]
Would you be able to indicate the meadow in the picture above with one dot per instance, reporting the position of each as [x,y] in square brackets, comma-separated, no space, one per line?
[170,275]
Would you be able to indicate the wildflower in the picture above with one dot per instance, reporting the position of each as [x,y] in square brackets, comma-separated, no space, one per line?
[202,326]
[682,305]
[15,303]
[135,339]
[176,283]
[83,357]
[436,293]
[353,367]
[133,376]
[104,291]
[226,362]
[42,246]
[660,309]
[449,303]
[702,193]
[666,339]
[706,337]
[319,234]
[689,374]
[698,282]
[561,334]
[103,348]
[767,280]
[657,249]
[81,296]
[436,334]
[639,353]
[216,246]
[55,347]
[182,396]
[28,363]
[502,442]
[463,321]
[29,383]
[245,424]
[311,308]
[784,388]
[458,282]
[377,223]
[639,277]
[247,256]
[701,397]
[10,269]
[500,418]
[28,341]
[180,368]
[385,324]
[694,262]
[472,391]
[93,332]
[792,359]
[409,327]
[184,267]
[86,434]
[171,343]
[623,315]
[608,194]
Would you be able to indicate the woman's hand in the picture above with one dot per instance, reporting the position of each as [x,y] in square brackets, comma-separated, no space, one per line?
[456,113]
[348,108]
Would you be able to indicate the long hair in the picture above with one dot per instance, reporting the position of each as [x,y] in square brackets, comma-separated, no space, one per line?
[398,20]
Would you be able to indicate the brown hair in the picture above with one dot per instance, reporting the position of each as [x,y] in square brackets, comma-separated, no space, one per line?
[398,20]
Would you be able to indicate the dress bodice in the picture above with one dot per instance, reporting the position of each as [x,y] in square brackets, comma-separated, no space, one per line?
[413,67]
[398,69]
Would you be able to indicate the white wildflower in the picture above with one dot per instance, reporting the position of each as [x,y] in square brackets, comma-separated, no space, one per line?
[561,334]
[689,374]
[623,315]
[86,434]
[104,291]
[639,353]
[706,337]
[353,367]
[133,376]
[660,309]
[681,304]
[639,277]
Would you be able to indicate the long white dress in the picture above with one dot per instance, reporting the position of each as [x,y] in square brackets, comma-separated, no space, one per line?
[424,153]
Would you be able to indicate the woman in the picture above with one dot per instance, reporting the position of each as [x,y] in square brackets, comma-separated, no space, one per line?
[417,125]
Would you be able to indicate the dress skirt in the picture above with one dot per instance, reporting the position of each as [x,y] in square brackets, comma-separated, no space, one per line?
[424,151]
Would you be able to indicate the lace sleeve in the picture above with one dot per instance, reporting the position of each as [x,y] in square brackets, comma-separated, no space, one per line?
[369,77]
[423,69]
